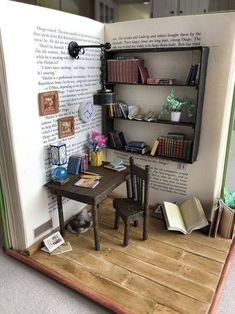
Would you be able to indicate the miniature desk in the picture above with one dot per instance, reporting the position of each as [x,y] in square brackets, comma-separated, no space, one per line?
[109,181]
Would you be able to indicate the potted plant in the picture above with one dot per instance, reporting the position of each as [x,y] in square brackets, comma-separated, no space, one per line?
[175,106]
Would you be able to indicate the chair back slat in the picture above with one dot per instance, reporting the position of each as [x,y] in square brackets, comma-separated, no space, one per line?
[139,183]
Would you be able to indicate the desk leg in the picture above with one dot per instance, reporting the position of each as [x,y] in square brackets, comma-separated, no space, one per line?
[96,227]
[61,216]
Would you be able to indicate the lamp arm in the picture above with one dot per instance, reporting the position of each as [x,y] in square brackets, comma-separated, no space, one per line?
[75,49]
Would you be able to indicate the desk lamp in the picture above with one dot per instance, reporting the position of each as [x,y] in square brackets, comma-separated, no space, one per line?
[59,158]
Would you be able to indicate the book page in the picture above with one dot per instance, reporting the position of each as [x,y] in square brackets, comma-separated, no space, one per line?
[174,218]
[193,214]
[37,61]
[171,180]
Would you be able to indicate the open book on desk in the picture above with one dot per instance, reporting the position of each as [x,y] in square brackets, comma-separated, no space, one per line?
[185,218]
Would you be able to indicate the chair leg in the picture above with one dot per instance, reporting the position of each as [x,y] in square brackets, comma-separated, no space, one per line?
[117,219]
[145,228]
[126,234]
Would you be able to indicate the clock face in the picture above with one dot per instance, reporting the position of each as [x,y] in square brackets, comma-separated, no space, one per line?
[86,110]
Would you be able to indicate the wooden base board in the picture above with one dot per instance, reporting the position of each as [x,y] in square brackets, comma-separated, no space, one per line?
[168,273]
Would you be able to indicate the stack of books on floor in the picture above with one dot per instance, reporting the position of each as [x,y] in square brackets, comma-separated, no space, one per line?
[55,244]
[137,147]
[116,165]
[88,180]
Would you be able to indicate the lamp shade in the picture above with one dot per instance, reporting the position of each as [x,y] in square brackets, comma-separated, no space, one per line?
[58,154]
[104,97]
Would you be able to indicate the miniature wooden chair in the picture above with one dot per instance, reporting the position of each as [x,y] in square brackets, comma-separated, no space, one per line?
[135,206]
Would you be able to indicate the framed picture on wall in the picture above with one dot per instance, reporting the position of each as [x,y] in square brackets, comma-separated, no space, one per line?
[48,103]
[66,126]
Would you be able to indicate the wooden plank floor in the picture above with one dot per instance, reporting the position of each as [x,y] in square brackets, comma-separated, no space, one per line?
[168,273]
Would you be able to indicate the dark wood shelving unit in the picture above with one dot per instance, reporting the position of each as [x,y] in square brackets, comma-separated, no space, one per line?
[155,156]
[108,123]
[155,85]
[189,124]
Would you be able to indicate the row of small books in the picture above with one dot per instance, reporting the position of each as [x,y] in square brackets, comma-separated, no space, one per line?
[88,180]
[137,147]
[124,70]
[173,145]
[55,244]
[116,165]
[161,81]
[116,140]
[193,75]
[77,163]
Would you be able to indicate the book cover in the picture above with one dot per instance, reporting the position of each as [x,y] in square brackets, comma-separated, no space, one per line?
[154,148]
[138,144]
[74,165]
[53,241]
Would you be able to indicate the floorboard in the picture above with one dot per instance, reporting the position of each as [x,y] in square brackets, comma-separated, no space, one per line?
[168,273]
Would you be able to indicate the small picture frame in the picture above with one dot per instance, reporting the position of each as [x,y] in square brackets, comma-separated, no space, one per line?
[48,103]
[66,126]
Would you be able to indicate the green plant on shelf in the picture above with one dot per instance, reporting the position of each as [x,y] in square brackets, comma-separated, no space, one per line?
[176,105]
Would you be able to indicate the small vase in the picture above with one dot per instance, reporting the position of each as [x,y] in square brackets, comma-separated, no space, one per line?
[175,116]
[96,158]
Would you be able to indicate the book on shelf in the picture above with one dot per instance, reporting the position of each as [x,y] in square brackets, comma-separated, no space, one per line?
[133,110]
[124,70]
[53,242]
[116,139]
[87,183]
[154,147]
[193,75]
[138,144]
[143,74]
[174,147]
[177,136]
[124,109]
[187,217]
[140,150]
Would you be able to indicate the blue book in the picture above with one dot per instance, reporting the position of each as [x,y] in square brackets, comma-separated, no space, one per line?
[74,165]
[116,163]
[138,144]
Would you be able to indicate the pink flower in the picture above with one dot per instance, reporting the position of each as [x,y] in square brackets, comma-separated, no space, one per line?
[94,134]
[101,140]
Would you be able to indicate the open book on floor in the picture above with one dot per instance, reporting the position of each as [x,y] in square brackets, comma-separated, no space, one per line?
[185,218]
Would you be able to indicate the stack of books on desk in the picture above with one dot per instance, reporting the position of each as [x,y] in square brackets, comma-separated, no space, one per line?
[116,165]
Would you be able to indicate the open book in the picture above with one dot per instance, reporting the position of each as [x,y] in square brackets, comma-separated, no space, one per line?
[185,218]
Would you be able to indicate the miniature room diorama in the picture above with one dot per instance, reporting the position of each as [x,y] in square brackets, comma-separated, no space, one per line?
[117,181]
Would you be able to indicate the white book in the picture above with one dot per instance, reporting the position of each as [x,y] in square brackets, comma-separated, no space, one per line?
[53,241]
[185,218]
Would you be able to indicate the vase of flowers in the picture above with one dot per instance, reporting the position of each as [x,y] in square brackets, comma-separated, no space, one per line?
[96,143]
